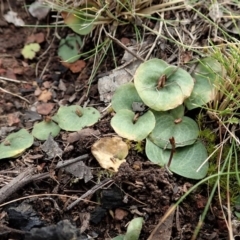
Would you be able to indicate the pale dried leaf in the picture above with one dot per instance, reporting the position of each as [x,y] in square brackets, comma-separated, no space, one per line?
[13,119]
[45,96]
[107,85]
[84,219]
[38,10]
[11,17]
[110,152]
[215,12]
[120,214]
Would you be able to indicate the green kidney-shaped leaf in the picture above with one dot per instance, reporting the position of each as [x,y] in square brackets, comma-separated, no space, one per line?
[178,85]
[68,49]
[134,229]
[29,51]
[15,143]
[185,161]
[42,130]
[74,118]
[125,96]
[81,22]
[184,130]
[124,126]
[207,75]
[120,237]
[177,112]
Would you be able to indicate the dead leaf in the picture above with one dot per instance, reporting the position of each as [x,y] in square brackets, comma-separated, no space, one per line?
[39,10]
[86,132]
[80,170]
[75,67]
[125,41]
[37,92]
[186,57]
[4,131]
[9,62]
[39,37]
[13,119]
[10,74]
[120,214]
[18,70]
[84,219]
[45,96]
[200,201]
[62,86]
[215,12]
[47,84]
[45,108]
[12,17]
[51,148]
[108,84]
[163,230]
[31,116]
[36,38]
[40,167]
[2,71]
[110,152]
[25,64]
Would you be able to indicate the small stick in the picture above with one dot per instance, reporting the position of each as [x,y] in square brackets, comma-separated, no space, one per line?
[13,80]
[68,162]
[20,181]
[124,47]
[89,192]
[14,94]
[28,176]
[11,229]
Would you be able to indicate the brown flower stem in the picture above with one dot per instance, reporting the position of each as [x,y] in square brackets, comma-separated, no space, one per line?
[172,142]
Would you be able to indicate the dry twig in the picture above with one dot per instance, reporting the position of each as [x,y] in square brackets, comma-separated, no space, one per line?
[89,192]
[1,89]
[20,181]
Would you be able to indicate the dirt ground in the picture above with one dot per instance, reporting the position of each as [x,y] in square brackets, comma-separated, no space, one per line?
[109,201]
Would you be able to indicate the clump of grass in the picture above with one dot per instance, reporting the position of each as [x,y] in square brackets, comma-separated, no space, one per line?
[122,12]
[107,16]
[227,100]
[224,110]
